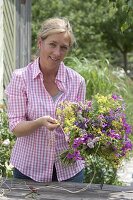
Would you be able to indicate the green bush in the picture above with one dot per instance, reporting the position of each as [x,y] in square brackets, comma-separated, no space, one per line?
[99,171]
[6,142]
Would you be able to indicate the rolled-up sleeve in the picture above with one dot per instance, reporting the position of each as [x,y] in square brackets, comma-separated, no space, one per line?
[16,100]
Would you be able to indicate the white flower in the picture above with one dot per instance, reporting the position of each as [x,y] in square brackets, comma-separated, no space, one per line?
[9,167]
[96,139]
[90,144]
[6,142]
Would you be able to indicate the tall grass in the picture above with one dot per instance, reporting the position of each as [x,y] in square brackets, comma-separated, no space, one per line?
[102,78]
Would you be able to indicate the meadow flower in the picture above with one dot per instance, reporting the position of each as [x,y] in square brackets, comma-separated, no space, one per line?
[6,142]
[97,128]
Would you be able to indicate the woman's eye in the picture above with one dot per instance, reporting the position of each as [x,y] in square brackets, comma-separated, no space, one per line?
[52,45]
[64,48]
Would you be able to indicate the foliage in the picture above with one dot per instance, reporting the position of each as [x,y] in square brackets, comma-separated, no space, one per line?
[104,173]
[99,75]
[106,30]
[117,32]
[88,40]
[97,127]
[127,7]
[6,143]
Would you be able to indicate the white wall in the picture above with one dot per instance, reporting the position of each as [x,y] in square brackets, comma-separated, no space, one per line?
[1,50]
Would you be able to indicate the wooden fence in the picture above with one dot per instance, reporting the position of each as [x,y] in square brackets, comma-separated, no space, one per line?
[17,36]
[9,40]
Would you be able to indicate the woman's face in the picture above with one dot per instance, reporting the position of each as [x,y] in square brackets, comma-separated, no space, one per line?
[53,50]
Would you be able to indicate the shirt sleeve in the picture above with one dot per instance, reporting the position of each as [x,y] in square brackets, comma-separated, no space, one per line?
[16,100]
[82,91]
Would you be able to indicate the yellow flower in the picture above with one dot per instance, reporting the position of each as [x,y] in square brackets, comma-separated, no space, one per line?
[102,99]
[66,130]
[2,106]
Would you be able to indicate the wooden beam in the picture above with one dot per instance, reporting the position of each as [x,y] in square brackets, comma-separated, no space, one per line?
[1,51]
[23,1]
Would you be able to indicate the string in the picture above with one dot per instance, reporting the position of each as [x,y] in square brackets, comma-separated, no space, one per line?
[47,186]
[54,186]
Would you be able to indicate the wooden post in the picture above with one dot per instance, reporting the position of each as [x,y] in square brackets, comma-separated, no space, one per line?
[23,33]
[16,34]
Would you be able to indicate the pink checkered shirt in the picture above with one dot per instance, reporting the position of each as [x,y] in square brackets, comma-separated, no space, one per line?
[35,155]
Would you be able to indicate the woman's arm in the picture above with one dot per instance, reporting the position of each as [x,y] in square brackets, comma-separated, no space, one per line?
[17,109]
[25,128]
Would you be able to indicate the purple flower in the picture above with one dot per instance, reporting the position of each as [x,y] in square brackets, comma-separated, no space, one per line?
[127,145]
[77,142]
[75,155]
[114,135]
[89,103]
[115,97]
[70,155]
[127,127]
[104,125]
[82,123]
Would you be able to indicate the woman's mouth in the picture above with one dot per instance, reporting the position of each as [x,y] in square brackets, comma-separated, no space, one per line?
[54,59]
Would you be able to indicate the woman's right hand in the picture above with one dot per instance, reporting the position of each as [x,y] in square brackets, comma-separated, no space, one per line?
[49,122]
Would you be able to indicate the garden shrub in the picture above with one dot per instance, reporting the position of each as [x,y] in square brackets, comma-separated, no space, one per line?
[7,140]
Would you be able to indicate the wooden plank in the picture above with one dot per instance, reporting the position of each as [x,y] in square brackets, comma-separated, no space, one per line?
[17,36]
[9,15]
[20,189]
[8,56]
[23,33]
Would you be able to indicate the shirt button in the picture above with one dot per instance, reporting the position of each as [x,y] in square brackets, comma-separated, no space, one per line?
[52,141]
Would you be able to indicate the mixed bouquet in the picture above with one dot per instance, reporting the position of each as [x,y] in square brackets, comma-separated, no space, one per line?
[95,128]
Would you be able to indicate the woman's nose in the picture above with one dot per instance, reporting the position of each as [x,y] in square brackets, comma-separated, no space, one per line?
[57,51]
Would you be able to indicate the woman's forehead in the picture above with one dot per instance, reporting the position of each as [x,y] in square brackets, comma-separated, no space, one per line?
[59,37]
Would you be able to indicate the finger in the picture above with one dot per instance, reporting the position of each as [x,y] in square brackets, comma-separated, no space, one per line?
[52,126]
[53,121]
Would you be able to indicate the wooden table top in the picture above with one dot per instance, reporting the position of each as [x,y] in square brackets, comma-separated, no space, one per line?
[24,189]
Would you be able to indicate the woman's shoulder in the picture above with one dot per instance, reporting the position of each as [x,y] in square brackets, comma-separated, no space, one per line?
[73,74]
[23,71]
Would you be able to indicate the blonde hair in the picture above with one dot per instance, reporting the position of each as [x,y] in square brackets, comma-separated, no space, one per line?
[56,25]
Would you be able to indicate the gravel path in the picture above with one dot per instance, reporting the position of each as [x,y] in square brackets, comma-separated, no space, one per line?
[125,173]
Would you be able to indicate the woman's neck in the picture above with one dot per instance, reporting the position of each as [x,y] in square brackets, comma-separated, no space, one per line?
[48,73]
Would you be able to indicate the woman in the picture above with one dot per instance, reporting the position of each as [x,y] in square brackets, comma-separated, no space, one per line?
[33,96]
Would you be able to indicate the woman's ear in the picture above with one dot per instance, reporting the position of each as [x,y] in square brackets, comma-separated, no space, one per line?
[39,42]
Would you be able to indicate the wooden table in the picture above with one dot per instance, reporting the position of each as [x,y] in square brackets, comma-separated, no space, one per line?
[22,189]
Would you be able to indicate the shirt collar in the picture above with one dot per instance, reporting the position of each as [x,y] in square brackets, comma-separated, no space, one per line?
[36,69]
